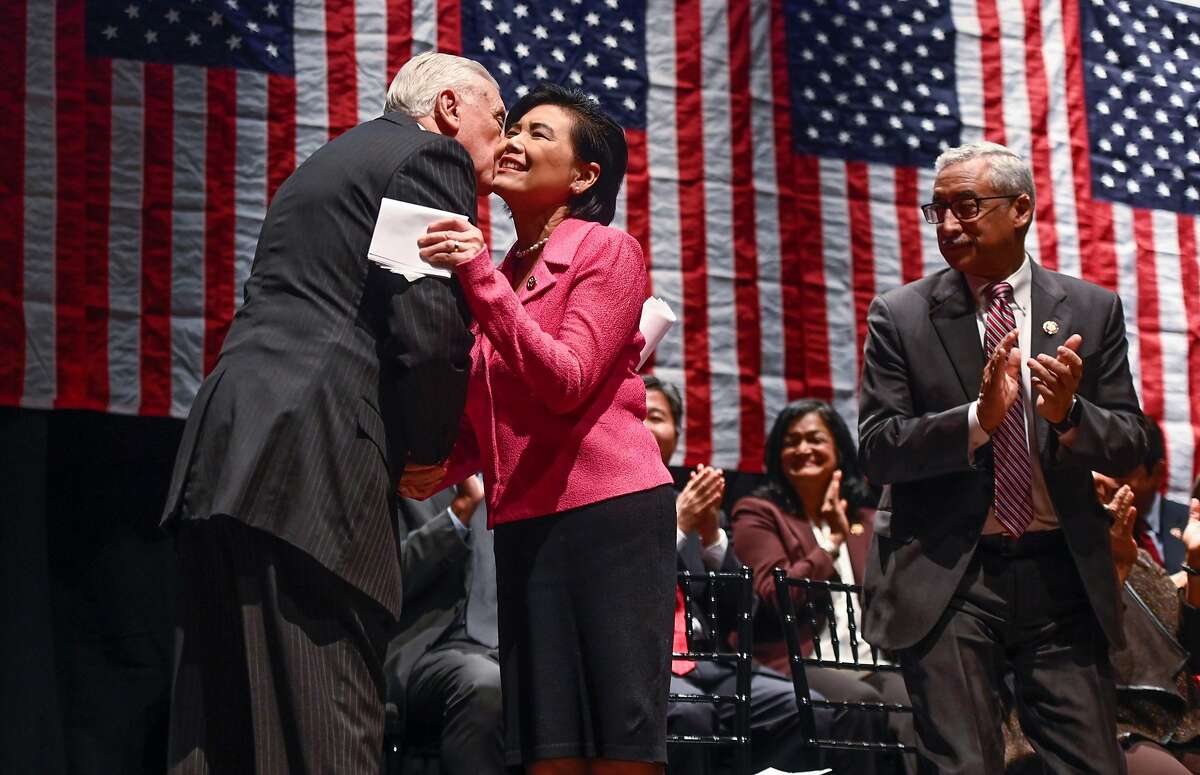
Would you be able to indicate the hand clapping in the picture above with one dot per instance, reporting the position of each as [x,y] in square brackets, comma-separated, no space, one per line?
[1001,383]
[833,510]
[1120,535]
[1057,379]
[698,507]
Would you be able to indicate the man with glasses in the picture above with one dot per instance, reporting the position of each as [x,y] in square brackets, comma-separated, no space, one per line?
[990,562]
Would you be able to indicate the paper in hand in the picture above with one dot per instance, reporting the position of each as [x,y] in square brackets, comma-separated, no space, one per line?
[657,319]
[394,241]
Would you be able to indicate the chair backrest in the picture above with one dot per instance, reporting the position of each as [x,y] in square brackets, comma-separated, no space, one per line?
[707,624]
[813,604]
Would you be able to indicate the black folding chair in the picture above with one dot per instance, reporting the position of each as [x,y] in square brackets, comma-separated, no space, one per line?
[715,584]
[818,597]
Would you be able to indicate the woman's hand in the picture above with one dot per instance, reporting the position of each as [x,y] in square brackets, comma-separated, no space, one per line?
[698,507]
[450,242]
[1120,535]
[419,482]
[833,510]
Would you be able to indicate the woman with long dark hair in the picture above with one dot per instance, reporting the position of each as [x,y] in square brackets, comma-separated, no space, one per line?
[813,518]
[581,502]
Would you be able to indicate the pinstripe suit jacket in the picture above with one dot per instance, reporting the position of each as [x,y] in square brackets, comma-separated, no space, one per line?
[335,372]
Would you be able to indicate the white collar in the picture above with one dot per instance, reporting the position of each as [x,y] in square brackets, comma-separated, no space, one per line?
[1020,281]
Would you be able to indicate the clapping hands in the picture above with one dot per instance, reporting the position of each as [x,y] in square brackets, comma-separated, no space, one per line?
[698,506]
[1001,383]
[1120,534]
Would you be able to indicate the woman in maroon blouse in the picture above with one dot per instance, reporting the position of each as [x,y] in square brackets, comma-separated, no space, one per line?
[813,518]
[581,502]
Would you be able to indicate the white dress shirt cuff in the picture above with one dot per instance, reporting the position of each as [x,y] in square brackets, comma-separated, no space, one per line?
[713,555]
[462,530]
[976,435]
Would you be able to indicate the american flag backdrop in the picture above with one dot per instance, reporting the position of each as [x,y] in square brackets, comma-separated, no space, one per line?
[779,151]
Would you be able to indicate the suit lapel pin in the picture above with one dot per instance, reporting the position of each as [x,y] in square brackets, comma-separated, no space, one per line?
[1050,327]
[856,529]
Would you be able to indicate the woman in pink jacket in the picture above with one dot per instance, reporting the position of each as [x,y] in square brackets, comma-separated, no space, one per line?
[581,503]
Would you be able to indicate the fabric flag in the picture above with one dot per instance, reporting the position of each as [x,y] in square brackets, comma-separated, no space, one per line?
[779,152]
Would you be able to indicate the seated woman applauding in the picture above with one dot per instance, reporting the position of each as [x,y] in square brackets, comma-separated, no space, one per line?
[813,517]
[581,502]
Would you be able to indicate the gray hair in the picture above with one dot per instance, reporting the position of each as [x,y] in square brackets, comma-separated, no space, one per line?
[417,84]
[1009,173]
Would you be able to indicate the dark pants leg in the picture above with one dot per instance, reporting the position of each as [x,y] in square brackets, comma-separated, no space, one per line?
[458,684]
[278,663]
[1026,613]
[849,686]
[690,718]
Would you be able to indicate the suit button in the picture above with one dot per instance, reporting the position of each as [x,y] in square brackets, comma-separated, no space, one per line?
[531,283]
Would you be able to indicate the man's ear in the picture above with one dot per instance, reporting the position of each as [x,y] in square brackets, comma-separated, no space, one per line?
[1023,212]
[447,112]
[586,175]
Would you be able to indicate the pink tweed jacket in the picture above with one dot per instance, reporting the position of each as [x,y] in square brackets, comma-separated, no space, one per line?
[554,409]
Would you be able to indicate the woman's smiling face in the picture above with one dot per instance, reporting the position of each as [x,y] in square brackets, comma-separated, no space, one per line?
[809,453]
[537,163]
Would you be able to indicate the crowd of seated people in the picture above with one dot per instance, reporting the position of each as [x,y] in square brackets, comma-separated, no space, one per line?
[811,516]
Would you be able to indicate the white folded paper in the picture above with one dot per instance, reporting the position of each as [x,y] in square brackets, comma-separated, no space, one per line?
[394,241]
[657,319]
[773,771]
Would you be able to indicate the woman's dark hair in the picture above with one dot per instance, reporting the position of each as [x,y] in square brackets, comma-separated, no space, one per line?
[596,137]
[779,490]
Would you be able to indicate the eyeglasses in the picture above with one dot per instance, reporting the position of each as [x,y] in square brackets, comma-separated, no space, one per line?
[967,209]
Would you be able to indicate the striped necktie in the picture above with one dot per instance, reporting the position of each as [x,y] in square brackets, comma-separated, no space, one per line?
[1012,502]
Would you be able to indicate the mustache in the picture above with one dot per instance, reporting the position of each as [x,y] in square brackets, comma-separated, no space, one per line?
[961,239]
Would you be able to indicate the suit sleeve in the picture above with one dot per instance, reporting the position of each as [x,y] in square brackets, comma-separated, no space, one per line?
[603,310]
[428,554]
[1109,438]
[896,444]
[761,547]
[427,337]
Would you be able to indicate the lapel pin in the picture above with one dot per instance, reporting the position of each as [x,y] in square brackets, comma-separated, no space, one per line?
[531,283]
[1050,327]
[856,529]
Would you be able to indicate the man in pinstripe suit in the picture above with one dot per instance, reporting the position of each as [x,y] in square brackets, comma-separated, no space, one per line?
[334,375]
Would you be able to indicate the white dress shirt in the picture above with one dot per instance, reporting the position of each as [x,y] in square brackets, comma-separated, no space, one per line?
[1044,515]
[845,572]
[713,554]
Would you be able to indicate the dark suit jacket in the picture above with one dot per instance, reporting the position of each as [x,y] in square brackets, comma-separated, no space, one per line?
[768,538]
[1172,515]
[921,370]
[335,372]
[435,588]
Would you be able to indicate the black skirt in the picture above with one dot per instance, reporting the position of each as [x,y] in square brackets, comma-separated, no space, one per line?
[586,605]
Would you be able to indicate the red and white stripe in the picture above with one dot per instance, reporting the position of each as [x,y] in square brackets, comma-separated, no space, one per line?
[137,191]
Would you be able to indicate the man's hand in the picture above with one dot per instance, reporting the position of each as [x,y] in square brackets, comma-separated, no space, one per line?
[698,507]
[1120,535]
[1057,379]
[1001,383]
[469,494]
[420,481]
